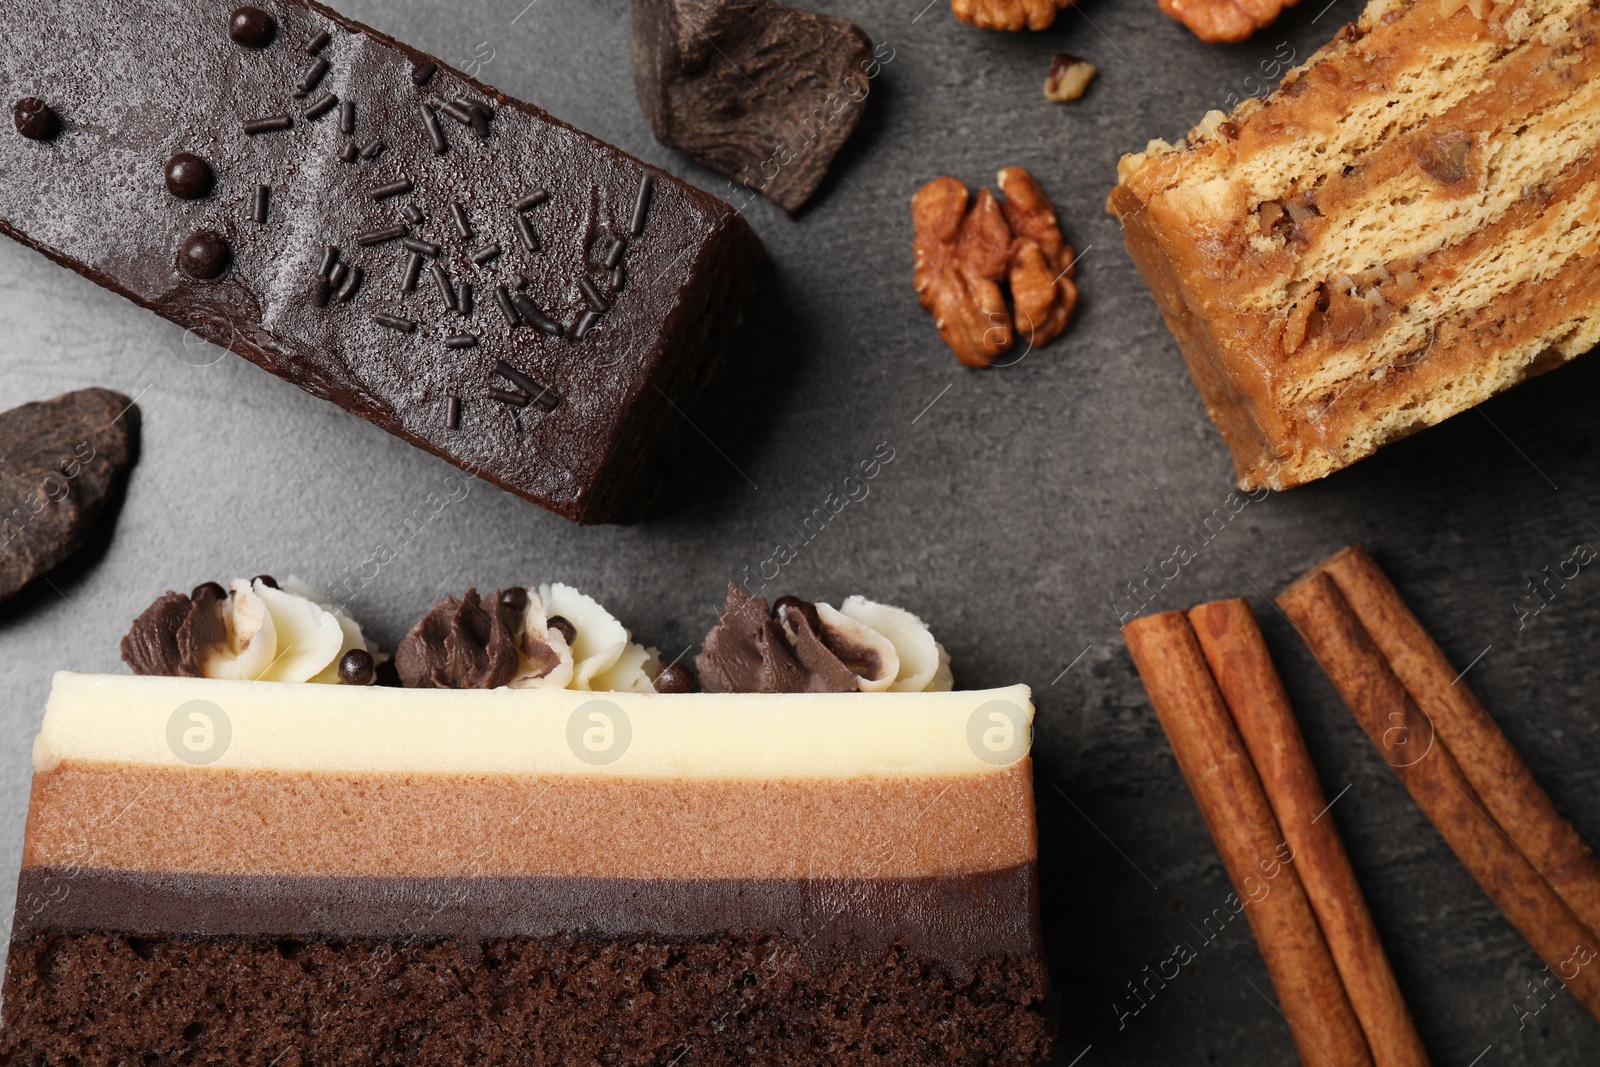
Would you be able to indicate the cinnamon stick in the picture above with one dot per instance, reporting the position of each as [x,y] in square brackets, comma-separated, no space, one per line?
[1218,769]
[1485,755]
[1249,684]
[1431,775]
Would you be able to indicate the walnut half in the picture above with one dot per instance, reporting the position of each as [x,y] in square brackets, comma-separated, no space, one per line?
[967,246]
[1224,21]
[1009,14]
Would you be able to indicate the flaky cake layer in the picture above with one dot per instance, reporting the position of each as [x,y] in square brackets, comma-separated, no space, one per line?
[1401,231]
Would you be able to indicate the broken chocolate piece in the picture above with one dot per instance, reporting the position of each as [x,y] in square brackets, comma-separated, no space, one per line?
[597,460]
[60,461]
[759,92]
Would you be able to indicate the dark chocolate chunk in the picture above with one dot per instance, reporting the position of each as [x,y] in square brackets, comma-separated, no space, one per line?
[268,124]
[394,322]
[318,43]
[347,117]
[61,462]
[532,200]
[675,678]
[394,188]
[378,237]
[205,255]
[412,271]
[430,122]
[356,667]
[777,129]
[487,253]
[319,107]
[189,177]
[35,119]
[686,277]
[423,73]
[258,208]
[463,224]
[461,340]
[252,27]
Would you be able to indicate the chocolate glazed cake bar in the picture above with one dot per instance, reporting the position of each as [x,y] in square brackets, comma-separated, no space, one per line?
[352,215]
[354,875]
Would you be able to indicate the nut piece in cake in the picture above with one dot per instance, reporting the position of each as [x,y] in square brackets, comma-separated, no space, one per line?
[1224,21]
[966,247]
[1408,226]
[1069,77]
[1009,14]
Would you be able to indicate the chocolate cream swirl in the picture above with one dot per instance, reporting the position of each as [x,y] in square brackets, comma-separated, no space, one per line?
[801,647]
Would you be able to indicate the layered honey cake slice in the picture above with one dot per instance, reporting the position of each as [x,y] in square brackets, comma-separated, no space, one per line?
[1409,225]
[238,871]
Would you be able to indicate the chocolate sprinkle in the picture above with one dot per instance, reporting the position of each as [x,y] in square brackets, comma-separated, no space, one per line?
[349,152]
[464,299]
[313,75]
[585,324]
[413,271]
[330,256]
[394,188]
[503,298]
[352,284]
[619,278]
[347,117]
[441,278]
[641,204]
[593,295]
[459,114]
[506,396]
[318,43]
[259,208]
[479,114]
[534,317]
[483,255]
[423,73]
[544,397]
[435,134]
[614,254]
[320,291]
[414,214]
[204,255]
[188,176]
[268,124]
[530,240]
[452,413]
[378,237]
[532,200]
[427,248]
[461,340]
[337,275]
[463,224]
[394,322]
[321,106]
[372,149]
[35,119]
[251,27]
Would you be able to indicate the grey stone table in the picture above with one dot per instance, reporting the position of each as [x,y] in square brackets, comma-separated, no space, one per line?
[1018,503]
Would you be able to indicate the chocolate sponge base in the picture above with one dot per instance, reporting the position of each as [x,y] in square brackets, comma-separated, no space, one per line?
[92,998]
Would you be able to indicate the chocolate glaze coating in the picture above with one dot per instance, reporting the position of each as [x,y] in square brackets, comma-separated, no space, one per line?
[622,388]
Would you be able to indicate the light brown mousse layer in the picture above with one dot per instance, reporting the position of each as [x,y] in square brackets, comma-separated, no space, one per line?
[207,821]
[1410,225]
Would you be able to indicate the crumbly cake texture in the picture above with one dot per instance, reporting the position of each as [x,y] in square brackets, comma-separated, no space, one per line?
[451,876]
[1409,225]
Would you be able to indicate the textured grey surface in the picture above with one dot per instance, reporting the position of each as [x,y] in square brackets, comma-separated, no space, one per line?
[1018,503]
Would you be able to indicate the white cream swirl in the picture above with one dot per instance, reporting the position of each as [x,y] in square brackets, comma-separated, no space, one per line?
[602,655]
[904,657]
[284,634]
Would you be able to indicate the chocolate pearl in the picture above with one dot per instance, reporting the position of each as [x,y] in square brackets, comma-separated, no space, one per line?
[204,255]
[356,667]
[35,119]
[265,579]
[188,176]
[515,598]
[215,590]
[787,604]
[563,627]
[675,678]
[252,27]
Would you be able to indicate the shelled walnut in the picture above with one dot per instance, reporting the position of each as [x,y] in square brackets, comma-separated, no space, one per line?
[966,247]
[1224,21]
[1009,14]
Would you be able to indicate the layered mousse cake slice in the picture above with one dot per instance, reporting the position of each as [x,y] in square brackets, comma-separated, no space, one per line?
[231,871]
[1409,225]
